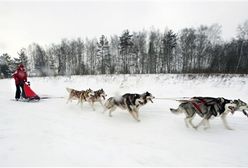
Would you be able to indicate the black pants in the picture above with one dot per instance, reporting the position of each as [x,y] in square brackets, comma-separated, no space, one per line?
[18,90]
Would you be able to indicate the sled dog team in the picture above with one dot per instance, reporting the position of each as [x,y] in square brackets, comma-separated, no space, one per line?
[205,107]
[130,102]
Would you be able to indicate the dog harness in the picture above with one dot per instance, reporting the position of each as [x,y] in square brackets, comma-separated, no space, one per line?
[197,105]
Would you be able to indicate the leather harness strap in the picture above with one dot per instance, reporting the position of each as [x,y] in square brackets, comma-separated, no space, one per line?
[197,105]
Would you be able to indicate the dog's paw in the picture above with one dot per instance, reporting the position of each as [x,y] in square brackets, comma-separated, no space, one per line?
[206,128]
[228,128]
[195,127]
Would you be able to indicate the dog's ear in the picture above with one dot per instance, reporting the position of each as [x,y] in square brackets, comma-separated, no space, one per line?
[222,100]
[242,103]
[235,101]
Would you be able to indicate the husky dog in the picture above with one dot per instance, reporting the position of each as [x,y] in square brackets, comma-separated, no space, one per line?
[97,97]
[79,95]
[207,107]
[130,102]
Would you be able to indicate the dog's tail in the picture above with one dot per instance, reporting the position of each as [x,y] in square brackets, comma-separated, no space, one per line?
[69,90]
[109,103]
[176,111]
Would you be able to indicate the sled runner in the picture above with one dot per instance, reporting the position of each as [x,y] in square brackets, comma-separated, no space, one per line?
[40,98]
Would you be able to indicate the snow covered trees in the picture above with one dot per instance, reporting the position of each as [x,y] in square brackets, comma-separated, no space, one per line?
[191,50]
[169,42]
[5,66]
[103,56]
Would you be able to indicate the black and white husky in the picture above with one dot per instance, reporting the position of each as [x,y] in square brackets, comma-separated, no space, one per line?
[130,102]
[207,107]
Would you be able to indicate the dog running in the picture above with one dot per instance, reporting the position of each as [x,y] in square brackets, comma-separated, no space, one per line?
[81,96]
[130,102]
[97,97]
[207,107]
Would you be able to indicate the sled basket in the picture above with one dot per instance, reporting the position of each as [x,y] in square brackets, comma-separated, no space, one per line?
[30,94]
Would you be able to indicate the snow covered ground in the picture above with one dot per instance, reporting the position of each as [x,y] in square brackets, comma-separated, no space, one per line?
[53,133]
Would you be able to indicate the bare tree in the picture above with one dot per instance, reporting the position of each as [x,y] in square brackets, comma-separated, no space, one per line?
[242,40]
[187,46]
[140,51]
[154,51]
[91,52]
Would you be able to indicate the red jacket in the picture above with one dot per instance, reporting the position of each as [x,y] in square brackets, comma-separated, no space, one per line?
[20,76]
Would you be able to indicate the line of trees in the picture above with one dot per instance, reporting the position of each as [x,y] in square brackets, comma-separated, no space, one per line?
[192,50]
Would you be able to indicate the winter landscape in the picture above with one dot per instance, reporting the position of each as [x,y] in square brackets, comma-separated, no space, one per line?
[172,49]
[53,133]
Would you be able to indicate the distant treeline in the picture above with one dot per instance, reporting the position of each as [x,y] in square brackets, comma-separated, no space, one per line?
[191,50]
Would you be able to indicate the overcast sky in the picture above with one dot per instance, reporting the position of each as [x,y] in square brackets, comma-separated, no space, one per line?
[46,22]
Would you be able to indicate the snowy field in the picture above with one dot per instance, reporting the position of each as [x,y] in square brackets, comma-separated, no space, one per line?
[53,133]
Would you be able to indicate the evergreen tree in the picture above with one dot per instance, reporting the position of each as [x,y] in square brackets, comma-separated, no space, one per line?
[103,55]
[169,43]
[23,57]
[126,51]
[6,66]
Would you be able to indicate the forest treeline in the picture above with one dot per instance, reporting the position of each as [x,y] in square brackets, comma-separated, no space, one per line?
[191,50]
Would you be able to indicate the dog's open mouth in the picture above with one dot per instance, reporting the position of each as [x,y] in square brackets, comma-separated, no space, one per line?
[232,109]
[150,100]
[103,97]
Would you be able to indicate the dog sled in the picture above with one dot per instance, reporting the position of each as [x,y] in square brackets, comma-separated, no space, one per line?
[30,95]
